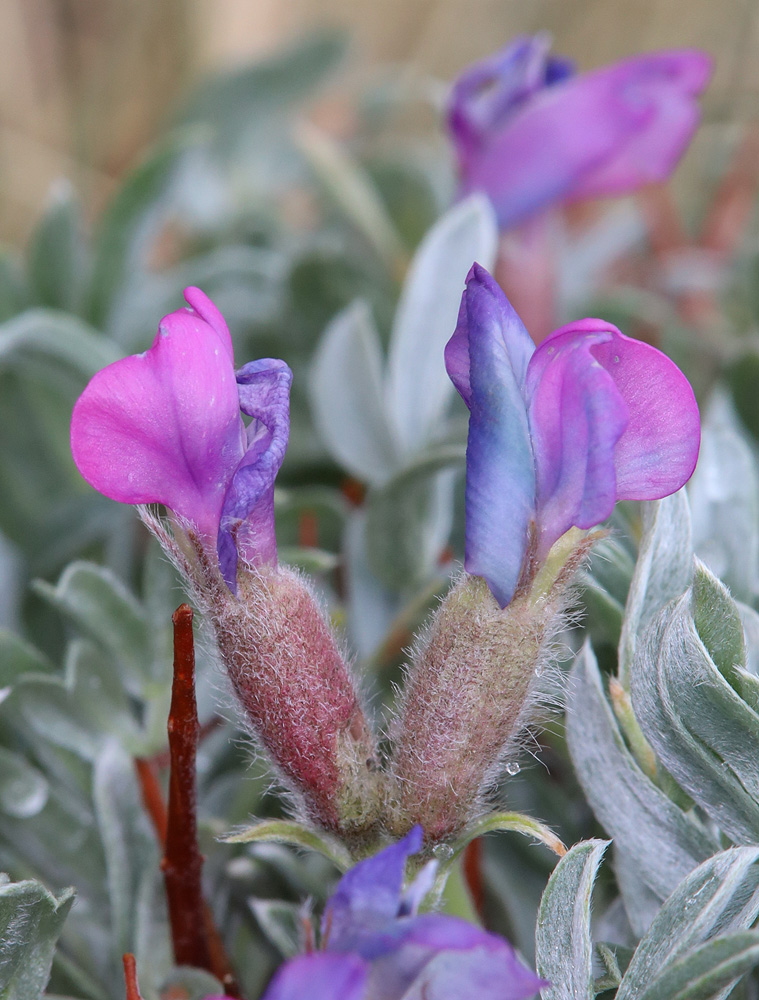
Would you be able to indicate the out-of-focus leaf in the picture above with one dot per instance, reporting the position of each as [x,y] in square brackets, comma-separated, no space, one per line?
[347,398]
[372,607]
[701,729]
[41,337]
[351,190]
[408,519]
[18,657]
[31,920]
[280,922]
[23,789]
[14,292]
[234,103]
[666,842]
[101,606]
[743,378]
[418,385]
[129,225]
[407,193]
[244,282]
[662,573]
[564,948]
[58,258]
[720,896]
[724,500]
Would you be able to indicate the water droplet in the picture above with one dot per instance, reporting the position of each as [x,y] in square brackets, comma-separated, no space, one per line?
[443,852]
[513,768]
[616,359]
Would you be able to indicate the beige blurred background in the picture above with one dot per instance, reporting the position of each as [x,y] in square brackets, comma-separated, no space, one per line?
[85,84]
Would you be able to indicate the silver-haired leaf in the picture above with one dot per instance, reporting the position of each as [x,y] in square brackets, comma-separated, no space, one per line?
[702,730]
[710,971]
[31,920]
[346,390]
[662,573]
[724,499]
[720,896]
[645,822]
[418,388]
[563,945]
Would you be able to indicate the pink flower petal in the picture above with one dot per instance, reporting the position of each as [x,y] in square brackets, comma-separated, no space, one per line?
[165,426]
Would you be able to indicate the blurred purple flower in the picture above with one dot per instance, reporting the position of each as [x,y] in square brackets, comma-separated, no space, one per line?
[165,427]
[557,435]
[528,131]
[376,947]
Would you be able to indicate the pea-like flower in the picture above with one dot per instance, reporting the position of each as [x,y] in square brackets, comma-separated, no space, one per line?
[165,427]
[528,131]
[377,947]
[559,434]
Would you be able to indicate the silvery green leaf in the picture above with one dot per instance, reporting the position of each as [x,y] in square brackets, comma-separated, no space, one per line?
[662,573]
[418,385]
[18,657]
[563,944]
[280,922]
[708,972]
[700,727]
[642,820]
[43,337]
[194,984]
[750,620]
[129,845]
[95,600]
[351,189]
[408,519]
[58,258]
[724,500]
[31,920]
[129,225]
[372,607]
[249,97]
[23,789]
[720,896]
[346,390]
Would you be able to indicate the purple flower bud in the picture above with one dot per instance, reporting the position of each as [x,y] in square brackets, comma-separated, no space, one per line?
[165,427]
[378,948]
[557,435]
[528,131]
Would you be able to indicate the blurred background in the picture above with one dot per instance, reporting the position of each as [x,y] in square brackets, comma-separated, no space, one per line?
[86,84]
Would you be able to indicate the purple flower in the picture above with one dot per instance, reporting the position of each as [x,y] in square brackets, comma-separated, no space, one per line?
[165,427]
[557,435]
[376,946]
[528,131]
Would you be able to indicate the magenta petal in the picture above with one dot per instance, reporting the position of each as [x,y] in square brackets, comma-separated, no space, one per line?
[487,359]
[577,416]
[657,452]
[665,84]
[246,525]
[320,976]
[164,426]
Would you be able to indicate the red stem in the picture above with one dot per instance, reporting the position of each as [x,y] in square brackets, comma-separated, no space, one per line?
[182,862]
[130,977]
[472,866]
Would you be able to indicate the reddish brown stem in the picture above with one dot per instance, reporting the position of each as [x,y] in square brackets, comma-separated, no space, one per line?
[472,867]
[152,796]
[182,862]
[130,977]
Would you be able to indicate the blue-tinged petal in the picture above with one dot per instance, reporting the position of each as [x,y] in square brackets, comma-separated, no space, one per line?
[369,895]
[577,416]
[320,976]
[487,359]
[246,527]
[495,314]
[484,973]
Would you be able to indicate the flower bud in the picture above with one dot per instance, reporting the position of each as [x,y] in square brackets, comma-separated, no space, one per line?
[298,696]
[469,692]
